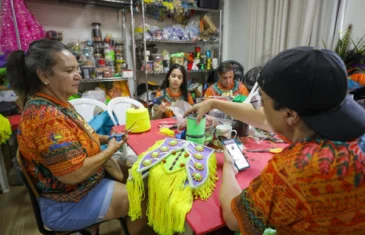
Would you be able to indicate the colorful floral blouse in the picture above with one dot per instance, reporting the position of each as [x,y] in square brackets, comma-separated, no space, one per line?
[237,88]
[314,186]
[171,98]
[52,145]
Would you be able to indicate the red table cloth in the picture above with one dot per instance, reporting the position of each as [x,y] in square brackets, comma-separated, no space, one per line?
[205,216]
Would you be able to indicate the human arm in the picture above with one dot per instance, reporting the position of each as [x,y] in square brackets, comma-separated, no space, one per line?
[62,146]
[103,139]
[239,111]
[197,93]
[159,110]
[243,89]
[229,190]
[91,165]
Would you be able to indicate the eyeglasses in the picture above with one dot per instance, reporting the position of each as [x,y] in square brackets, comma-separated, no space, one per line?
[256,101]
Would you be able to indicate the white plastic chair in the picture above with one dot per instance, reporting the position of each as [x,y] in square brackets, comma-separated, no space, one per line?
[88,108]
[119,106]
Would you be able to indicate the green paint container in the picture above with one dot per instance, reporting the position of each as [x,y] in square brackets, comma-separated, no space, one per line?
[195,132]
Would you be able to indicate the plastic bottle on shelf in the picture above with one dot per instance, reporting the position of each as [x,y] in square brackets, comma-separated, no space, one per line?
[96,32]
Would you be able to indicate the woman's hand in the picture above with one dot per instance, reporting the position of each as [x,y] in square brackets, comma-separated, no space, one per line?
[162,107]
[228,161]
[114,145]
[201,108]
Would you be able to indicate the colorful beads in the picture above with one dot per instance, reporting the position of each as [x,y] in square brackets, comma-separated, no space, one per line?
[186,155]
[164,161]
[197,177]
[198,156]
[199,148]
[173,143]
[173,152]
[164,149]
[155,154]
[182,164]
[199,166]
[147,162]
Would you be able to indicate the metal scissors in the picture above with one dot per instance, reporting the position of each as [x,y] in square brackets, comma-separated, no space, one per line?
[119,137]
[271,150]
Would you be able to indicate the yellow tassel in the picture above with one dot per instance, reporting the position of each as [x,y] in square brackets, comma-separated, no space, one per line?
[206,190]
[168,201]
[5,129]
[135,193]
[167,131]
[135,186]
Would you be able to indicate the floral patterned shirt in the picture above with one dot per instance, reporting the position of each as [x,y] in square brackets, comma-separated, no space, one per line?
[170,99]
[315,186]
[236,88]
[52,145]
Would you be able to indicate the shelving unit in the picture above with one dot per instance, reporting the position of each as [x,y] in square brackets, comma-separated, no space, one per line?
[117,79]
[190,71]
[177,42]
[122,5]
[104,3]
[144,6]
[115,4]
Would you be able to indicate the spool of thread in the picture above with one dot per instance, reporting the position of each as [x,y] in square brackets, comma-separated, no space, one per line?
[195,132]
[141,117]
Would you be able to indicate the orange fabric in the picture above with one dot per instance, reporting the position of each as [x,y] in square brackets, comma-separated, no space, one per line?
[359,78]
[216,89]
[314,186]
[169,96]
[52,145]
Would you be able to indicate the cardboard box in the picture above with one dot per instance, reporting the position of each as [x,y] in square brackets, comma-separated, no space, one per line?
[127,73]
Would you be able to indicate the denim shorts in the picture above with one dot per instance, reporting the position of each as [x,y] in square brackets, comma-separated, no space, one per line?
[70,216]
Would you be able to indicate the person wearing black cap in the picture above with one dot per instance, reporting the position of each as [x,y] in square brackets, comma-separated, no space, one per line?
[316,185]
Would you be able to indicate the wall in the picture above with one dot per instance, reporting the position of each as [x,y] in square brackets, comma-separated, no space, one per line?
[354,14]
[74,20]
[235,20]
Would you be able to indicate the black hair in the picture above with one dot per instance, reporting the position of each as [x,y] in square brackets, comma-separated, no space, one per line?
[224,68]
[22,66]
[184,84]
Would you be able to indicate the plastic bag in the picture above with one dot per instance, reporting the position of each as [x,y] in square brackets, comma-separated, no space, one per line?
[179,108]
[97,94]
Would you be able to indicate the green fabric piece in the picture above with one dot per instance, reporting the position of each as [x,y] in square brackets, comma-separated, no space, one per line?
[239,98]
[74,97]
[176,167]
[181,54]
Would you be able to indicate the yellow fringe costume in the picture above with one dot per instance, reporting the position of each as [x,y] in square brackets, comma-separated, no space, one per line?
[178,172]
[5,129]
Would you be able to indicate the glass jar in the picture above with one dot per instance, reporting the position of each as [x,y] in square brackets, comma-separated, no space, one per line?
[157,63]
[96,32]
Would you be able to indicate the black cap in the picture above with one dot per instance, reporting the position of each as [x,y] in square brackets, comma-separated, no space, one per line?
[313,82]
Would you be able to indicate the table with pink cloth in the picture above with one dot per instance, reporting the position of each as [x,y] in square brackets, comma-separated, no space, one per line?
[206,216]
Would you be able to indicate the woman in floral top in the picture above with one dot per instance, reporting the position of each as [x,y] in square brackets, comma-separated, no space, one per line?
[60,151]
[174,88]
[316,185]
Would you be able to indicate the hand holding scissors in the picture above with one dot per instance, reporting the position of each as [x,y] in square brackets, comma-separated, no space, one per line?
[120,136]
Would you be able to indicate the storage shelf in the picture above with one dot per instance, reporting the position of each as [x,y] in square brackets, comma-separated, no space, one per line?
[190,71]
[105,3]
[178,42]
[116,79]
[186,8]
